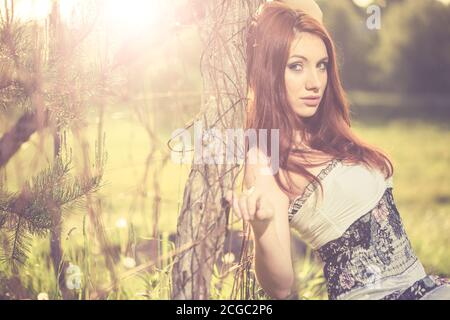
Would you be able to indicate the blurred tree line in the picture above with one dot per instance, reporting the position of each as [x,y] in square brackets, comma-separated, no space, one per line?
[410,53]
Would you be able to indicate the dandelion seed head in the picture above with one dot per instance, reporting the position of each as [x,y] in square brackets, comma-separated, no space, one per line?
[129,262]
[121,223]
[73,277]
[228,258]
[42,296]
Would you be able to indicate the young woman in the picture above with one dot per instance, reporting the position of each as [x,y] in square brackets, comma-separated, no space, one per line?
[331,187]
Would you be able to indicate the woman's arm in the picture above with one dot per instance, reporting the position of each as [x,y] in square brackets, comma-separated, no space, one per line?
[273,263]
[309,6]
[266,210]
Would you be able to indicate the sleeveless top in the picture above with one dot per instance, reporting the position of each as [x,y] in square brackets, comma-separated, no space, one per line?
[356,230]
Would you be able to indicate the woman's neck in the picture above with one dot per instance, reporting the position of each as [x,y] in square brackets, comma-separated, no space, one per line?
[300,143]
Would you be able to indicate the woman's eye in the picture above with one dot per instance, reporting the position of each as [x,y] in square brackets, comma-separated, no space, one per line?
[296,67]
[323,66]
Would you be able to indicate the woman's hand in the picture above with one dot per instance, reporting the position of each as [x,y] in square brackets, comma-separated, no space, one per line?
[252,206]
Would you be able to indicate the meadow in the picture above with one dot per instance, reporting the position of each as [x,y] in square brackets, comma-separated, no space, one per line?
[418,147]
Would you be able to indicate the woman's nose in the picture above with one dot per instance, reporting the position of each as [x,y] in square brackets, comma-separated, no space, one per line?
[313,81]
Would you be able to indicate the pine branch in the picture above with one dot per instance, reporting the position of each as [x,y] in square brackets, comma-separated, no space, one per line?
[72,195]
[30,212]
[20,245]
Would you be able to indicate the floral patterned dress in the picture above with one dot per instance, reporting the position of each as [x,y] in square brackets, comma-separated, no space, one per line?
[372,258]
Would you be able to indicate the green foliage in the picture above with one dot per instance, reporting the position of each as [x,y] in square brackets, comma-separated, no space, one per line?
[311,283]
[414,47]
[347,26]
[30,213]
[410,53]
[15,45]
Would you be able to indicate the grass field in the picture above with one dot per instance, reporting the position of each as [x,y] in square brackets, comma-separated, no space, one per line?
[419,150]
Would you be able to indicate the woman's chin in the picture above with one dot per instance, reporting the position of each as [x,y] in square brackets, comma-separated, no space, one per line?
[306,112]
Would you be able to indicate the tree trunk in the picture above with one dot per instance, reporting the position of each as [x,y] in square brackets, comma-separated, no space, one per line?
[203,217]
[24,128]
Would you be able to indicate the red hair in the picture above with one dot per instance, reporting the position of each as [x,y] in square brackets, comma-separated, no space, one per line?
[269,38]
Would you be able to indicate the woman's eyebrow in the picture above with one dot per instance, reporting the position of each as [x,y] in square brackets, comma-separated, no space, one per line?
[306,59]
[298,56]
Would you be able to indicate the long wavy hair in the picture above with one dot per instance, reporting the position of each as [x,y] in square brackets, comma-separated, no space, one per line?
[268,40]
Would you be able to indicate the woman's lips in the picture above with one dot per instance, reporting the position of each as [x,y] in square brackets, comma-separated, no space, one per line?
[311,102]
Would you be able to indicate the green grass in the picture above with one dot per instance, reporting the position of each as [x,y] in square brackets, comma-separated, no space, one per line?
[420,155]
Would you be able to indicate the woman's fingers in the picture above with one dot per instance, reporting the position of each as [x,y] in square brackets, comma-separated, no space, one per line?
[252,205]
[244,206]
[265,209]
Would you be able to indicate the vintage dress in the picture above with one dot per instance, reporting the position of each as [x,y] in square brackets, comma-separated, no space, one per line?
[357,231]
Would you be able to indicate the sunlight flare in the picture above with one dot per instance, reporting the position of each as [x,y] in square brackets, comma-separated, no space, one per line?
[128,15]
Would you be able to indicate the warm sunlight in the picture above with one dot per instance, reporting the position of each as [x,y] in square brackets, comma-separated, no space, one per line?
[32,9]
[363,3]
[129,15]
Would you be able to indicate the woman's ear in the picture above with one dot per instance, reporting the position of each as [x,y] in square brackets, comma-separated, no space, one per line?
[308,6]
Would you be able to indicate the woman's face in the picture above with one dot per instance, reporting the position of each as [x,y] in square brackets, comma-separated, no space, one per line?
[306,74]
